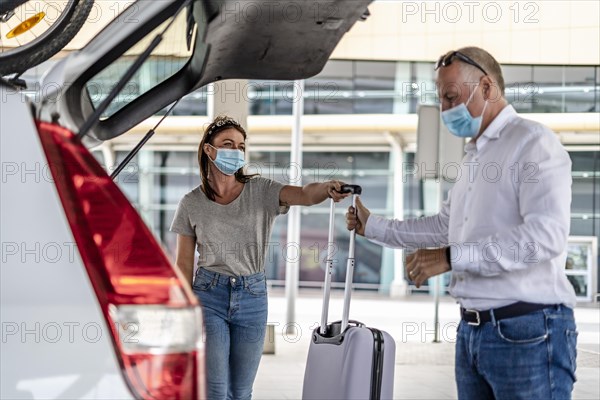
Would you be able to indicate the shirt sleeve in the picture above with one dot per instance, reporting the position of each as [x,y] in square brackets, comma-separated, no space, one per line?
[272,190]
[411,234]
[544,200]
[181,221]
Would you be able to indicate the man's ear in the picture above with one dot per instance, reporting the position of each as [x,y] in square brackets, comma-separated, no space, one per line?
[491,90]
[488,85]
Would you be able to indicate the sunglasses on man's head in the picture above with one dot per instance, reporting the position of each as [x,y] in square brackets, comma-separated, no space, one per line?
[446,60]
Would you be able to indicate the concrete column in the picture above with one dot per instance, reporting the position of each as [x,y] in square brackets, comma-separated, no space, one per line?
[402,86]
[108,153]
[146,186]
[229,97]
[398,287]
[292,267]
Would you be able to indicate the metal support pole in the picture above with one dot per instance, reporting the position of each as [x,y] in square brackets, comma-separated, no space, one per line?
[292,266]
[398,286]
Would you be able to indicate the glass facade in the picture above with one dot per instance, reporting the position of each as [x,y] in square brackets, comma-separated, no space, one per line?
[585,204]
[390,87]
[362,87]
[585,209]
[156,180]
[371,169]
[578,266]
[166,60]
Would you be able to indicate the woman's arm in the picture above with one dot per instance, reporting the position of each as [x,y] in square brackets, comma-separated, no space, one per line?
[185,256]
[313,193]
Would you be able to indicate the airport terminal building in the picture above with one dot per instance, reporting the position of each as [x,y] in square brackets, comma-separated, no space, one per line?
[360,120]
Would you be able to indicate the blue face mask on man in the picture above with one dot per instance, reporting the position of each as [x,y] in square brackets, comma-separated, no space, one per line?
[459,121]
[228,161]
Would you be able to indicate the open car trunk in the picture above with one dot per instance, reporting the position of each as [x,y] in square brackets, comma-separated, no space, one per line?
[210,40]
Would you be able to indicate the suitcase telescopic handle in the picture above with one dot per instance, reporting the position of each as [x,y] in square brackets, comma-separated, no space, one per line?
[328,268]
[331,250]
[354,189]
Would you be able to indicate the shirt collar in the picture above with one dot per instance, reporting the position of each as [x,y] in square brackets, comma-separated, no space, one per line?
[494,129]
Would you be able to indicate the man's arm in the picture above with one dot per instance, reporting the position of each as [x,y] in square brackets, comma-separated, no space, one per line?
[411,234]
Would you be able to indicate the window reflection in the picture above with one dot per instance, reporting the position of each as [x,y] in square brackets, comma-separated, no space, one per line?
[389,87]
[156,181]
[168,58]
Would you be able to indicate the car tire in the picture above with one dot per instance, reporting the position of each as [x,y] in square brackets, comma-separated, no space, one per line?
[22,58]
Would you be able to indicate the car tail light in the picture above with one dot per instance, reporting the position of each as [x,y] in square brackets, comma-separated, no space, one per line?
[154,317]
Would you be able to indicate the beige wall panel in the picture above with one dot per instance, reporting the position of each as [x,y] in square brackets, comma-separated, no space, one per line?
[435,45]
[559,16]
[388,24]
[496,42]
[516,32]
[404,30]
[580,50]
[532,48]
[463,38]
[560,40]
[413,44]
[585,13]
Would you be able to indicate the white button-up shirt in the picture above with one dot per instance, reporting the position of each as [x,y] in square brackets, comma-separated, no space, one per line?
[506,218]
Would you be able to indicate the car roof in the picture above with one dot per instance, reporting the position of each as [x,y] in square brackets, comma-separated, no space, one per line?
[287,40]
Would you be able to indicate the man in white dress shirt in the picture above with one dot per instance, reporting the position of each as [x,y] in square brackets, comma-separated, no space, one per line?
[502,232]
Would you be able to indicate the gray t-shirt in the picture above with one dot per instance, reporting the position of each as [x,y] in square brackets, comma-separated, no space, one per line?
[231,239]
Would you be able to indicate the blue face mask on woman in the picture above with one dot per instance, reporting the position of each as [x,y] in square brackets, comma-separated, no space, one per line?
[459,121]
[228,161]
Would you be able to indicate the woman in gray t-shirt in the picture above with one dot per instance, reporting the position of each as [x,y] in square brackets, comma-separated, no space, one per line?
[229,220]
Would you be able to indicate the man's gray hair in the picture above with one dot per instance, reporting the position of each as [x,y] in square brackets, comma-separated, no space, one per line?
[487,62]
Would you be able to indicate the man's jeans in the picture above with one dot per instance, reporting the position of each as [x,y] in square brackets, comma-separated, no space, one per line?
[235,316]
[527,357]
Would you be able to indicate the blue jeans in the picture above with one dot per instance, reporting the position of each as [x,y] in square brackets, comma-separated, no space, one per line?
[235,317]
[527,357]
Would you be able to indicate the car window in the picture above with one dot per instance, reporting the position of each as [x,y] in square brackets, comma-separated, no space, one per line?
[168,58]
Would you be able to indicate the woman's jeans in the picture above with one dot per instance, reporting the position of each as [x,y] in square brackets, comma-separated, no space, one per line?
[527,357]
[235,316]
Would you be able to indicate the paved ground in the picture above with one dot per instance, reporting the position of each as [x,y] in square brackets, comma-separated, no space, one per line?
[424,370]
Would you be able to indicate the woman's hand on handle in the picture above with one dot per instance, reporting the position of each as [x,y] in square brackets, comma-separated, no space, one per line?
[334,191]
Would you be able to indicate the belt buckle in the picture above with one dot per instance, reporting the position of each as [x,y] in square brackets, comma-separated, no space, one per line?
[477,318]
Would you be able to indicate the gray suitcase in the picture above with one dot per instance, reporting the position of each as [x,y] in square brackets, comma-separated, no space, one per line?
[346,359]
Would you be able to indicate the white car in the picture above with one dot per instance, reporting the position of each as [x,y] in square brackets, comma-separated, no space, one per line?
[90,305]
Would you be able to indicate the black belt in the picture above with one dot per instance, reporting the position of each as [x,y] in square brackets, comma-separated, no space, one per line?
[476,318]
